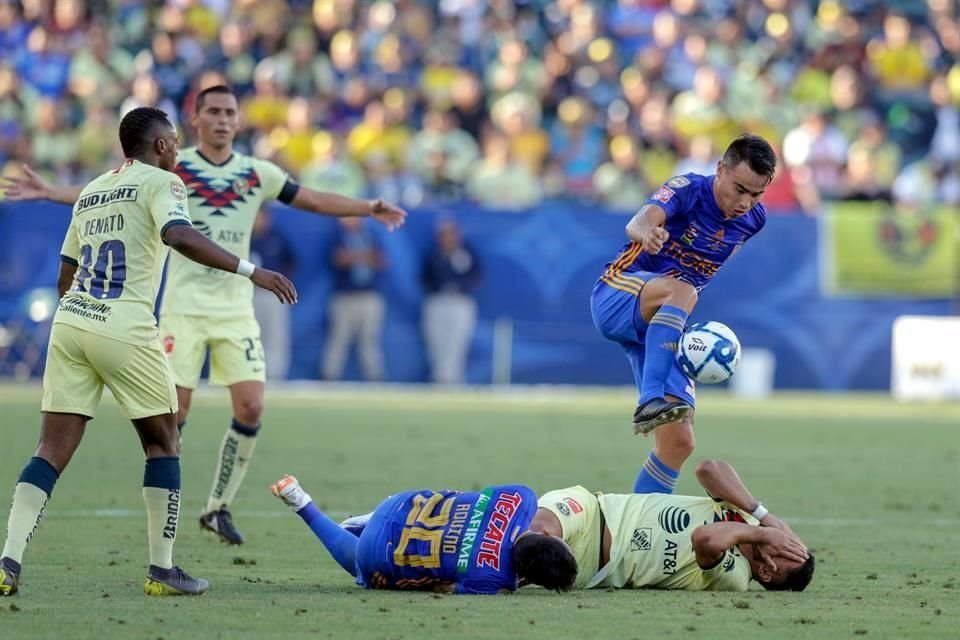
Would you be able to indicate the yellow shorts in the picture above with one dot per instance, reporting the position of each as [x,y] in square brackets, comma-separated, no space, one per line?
[236,354]
[80,363]
[581,521]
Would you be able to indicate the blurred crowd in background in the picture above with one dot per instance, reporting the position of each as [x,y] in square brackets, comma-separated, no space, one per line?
[506,102]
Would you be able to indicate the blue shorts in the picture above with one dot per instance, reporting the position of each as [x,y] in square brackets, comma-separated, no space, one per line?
[375,564]
[616,314]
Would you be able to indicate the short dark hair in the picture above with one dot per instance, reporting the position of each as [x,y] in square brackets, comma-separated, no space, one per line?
[136,129]
[544,560]
[217,88]
[796,580]
[755,151]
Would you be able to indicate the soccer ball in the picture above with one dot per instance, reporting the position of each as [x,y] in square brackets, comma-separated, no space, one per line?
[709,352]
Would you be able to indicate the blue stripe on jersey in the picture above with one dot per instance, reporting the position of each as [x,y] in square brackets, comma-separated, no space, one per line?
[172,223]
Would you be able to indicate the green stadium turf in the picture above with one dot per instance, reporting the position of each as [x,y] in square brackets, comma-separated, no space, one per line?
[871,485]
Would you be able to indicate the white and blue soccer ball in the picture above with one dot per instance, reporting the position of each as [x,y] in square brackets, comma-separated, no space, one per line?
[709,352]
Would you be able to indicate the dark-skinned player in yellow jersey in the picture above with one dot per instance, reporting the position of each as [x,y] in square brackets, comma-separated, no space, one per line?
[204,311]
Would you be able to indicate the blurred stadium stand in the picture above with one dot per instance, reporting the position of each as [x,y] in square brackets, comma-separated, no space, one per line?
[559,111]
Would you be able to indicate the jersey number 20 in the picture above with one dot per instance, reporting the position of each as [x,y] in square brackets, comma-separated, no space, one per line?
[112,255]
[421,525]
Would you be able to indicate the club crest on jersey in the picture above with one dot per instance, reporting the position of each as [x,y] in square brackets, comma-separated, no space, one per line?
[678,182]
[168,344]
[241,186]
[664,194]
[690,235]
[178,191]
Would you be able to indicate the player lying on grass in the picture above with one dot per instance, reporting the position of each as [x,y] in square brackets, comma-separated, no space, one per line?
[663,541]
[476,543]
[104,334]
[660,541]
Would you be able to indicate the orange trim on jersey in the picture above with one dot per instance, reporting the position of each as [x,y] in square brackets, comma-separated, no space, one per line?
[628,289]
[626,258]
[631,284]
[614,275]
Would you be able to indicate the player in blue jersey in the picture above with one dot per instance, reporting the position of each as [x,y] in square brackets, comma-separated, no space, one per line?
[466,543]
[677,242]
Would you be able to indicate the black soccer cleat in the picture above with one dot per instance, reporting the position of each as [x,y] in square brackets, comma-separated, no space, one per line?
[221,523]
[9,577]
[173,582]
[657,411]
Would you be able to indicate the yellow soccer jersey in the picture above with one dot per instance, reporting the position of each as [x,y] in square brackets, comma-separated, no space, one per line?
[652,547]
[224,200]
[581,523]
[115,240]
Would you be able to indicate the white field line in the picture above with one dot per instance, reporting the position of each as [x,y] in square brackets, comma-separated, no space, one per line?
[282,512]
[568,399]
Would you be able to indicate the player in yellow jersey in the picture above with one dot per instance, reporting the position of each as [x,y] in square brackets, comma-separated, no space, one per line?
[663,541]
[104,334]
[208,311]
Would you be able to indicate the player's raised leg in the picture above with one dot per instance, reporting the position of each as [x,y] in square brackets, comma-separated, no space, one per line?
[60,435]
[664,305]
[236,452]
[161,495]
[674,440]
[341,543]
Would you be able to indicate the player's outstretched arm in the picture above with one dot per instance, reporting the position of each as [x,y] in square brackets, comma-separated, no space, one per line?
[711,541]
[646,228]
[332,204]
[194,245]
[721,481]
[31,186]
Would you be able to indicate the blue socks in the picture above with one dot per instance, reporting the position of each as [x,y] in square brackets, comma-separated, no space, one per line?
[341,544]
[162,473]
[655,477]
[663,336]
[40,474]
[161,496]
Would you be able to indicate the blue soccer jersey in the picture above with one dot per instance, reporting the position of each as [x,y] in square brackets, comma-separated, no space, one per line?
[701,237]
[419,539]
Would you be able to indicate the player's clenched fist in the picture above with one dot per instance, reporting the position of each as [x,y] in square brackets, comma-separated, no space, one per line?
[277,283]
[655,239]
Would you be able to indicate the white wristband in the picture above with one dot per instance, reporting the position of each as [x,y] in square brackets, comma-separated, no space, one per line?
[245,268]
[760,511]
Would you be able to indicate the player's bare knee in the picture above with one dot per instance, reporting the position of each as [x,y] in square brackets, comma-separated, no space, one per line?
[681,294]
[248,411]
[666,291]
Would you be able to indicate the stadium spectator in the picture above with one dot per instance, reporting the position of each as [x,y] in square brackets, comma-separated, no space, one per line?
[620,183]
[498,181]
[450,273]
[661,72]
[331,169]
[99,71]
[270,249]
[357,308]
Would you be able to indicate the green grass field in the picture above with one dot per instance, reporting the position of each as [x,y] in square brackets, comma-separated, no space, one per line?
[871,486]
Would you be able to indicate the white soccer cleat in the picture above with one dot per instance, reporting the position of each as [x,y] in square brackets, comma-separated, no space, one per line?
[289,490]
